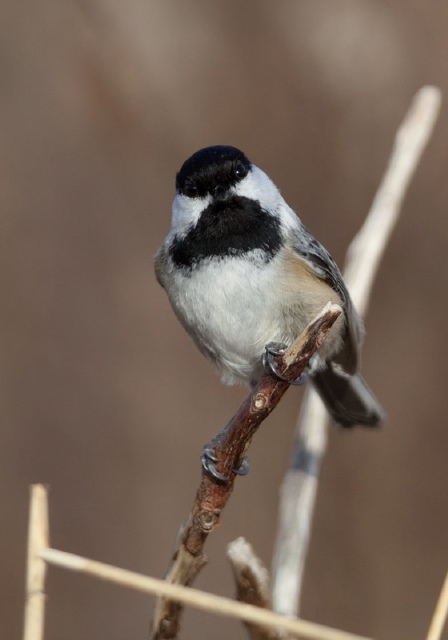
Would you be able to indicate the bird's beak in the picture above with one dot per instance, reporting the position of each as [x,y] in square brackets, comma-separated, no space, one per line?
[220,193]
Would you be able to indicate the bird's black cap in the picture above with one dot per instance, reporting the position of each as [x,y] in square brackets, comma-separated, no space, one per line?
[231,224]
[212,166]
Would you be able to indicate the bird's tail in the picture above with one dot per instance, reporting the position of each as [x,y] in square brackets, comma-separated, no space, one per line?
[348,399]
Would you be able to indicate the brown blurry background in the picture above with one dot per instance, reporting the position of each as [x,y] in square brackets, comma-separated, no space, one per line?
[104,397]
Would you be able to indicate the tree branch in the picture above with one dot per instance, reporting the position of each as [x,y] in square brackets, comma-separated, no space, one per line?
[229,448]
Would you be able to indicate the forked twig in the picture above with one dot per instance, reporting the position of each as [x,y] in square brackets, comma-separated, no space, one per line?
[229,448]
[252,585]
[299,487]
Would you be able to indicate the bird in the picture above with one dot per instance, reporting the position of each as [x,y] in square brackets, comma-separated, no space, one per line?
[242,272]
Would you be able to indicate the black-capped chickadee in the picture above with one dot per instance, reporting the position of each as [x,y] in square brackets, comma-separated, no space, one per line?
[242,271]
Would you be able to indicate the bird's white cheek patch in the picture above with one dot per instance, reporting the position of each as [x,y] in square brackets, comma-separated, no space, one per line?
[187,211]
[258,186]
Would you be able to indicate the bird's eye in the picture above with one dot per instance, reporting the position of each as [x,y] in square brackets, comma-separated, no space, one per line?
[241,171]
[191,190]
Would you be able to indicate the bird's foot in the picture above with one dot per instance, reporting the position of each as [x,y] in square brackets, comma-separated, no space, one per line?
[278,349]
[209,461]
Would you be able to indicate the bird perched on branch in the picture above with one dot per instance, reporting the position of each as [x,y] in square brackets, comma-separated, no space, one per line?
[242,272]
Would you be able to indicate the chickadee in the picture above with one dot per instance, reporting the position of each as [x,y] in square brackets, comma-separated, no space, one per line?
[242,271]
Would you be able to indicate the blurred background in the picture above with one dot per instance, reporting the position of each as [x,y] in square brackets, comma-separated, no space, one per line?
[103,395]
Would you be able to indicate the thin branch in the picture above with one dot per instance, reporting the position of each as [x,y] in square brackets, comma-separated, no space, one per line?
[252,583]
[299,488]
[440,614]
[36,567]
[193,597]
[367,248]
[229,448]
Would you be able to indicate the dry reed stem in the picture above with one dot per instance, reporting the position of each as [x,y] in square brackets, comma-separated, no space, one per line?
[193,597]
[440,614]
[36,566]
[298,492]
[39,554]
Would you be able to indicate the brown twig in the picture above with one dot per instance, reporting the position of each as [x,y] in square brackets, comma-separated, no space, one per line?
[252,585]
[229,448]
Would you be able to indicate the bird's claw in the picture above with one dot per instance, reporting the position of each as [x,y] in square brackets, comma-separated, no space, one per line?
[209,460]
[278,349]
[244,469]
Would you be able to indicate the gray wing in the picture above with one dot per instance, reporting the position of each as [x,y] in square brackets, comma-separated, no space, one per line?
[160,264]
[325,268]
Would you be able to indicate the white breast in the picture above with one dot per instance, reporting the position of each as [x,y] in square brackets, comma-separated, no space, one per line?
[231,309]
[234,306]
